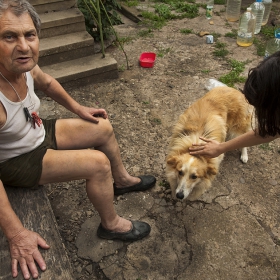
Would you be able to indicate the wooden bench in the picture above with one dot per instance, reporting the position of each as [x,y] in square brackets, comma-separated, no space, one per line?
[34,210]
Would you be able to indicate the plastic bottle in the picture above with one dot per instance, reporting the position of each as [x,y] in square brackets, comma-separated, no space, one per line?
[273,45]
[267,6]
[245,34]
[233,10]
[258,11]
[209,9]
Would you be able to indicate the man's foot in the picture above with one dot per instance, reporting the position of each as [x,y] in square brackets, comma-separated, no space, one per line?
[139,230]
[147,181]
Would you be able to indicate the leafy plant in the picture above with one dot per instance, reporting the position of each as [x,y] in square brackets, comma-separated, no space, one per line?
[237,67]
[89,8]
[220,50]
[232,34]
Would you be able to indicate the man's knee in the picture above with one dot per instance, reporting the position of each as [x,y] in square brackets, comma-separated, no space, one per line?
[100,161]
[107,127]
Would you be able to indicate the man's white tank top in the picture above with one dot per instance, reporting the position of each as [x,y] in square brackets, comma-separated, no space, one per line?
[18,136]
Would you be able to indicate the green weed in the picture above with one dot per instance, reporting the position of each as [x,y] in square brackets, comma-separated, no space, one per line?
[131,3]
[205,71]
[268,31]
[237,67]
[186,31]
[220,2]
[260,45]
[146,33]
[156,121]
[232,34]
[121,68]
[220,50]
[162,52]
[265,146]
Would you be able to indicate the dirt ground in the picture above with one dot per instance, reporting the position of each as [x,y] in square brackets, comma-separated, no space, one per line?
[233,231]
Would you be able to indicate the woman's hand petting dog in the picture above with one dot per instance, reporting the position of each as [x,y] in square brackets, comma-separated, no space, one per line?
[209,149]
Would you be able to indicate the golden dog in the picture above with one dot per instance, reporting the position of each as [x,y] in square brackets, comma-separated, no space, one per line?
[222,113]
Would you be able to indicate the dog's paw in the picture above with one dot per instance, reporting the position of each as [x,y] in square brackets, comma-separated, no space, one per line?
[244,158]
[244,155]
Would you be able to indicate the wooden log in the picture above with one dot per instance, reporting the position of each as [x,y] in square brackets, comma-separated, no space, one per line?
[34,210]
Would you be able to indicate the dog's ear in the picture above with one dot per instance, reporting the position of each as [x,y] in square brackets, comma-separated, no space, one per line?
[211,170]
[172,160]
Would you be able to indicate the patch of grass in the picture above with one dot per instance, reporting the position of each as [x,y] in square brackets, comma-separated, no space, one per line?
[146,33]
[156,121]
[153,20]
[187,10]
[163,11]
[131,3]
[124,40]
[237,67]
[260,45]
[216,35]
[145,102]
[121,68]
[232,34]
[164,184]
[220,50]
[268,31]
[205,71]
[162,52]
[265,146]
[186,31]
[219,2]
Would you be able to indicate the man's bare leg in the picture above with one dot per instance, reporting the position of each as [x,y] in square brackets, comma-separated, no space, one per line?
[66,165]
[80,134]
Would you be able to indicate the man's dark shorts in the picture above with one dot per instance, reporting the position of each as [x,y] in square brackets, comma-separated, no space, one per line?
[25,170]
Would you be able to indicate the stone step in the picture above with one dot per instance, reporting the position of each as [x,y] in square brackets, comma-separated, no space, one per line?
[33,208]
[62,22]
[84,70]
[62,48]
[43,6]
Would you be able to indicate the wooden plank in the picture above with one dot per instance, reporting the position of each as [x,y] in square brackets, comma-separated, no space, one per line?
[34,210]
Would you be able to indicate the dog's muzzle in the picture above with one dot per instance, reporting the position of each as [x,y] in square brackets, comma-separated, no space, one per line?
[180,195]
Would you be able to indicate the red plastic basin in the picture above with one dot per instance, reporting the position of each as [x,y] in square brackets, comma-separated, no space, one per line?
[147,59]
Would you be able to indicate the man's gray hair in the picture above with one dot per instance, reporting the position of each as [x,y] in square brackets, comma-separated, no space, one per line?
[19,7]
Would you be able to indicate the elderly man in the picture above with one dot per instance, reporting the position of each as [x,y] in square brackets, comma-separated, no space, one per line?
[35,151]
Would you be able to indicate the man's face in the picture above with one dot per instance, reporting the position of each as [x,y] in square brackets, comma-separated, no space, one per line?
[19,43]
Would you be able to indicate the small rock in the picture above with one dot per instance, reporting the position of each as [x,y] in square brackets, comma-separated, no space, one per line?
[242,180]
[272,182]
[211,22]
[203,33]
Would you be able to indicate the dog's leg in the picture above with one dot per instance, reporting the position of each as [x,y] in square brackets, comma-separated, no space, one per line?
[244,155]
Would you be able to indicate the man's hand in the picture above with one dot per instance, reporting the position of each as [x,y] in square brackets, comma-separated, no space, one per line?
[210,148]
[92,114]
[24,251]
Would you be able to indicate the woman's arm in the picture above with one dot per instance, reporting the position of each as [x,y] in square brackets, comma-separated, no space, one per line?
[212,148]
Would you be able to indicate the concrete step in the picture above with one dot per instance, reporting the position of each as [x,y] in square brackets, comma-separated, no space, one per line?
[62,22]
[43,6]
[84,70]
[62,48]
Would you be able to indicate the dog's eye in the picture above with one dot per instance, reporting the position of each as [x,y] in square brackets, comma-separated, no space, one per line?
[193,176]
[180,173]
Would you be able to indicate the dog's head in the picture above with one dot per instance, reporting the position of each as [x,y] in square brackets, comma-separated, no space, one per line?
[190,176]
